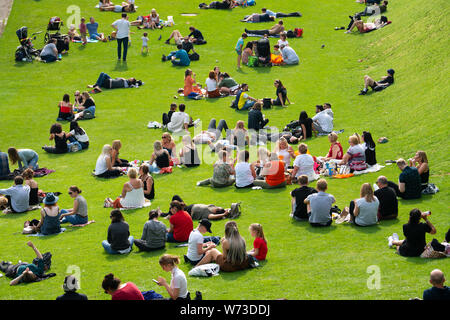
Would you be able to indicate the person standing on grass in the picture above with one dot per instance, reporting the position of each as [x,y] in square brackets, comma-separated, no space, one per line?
[239,48]
[144,43]
[122,27]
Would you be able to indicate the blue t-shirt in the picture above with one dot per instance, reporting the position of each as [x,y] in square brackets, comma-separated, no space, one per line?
[437,294]
[239,45]
[92,27]
[183,56]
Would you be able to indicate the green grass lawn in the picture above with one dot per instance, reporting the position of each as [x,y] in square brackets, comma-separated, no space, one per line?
[302,262]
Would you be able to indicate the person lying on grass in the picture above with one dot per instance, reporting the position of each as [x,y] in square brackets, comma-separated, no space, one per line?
[364,27]
[125,7]
[105,81]
[225,4]
[385,82]
[28,272]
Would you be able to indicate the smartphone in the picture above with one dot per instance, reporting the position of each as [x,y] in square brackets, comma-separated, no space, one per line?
[155,281]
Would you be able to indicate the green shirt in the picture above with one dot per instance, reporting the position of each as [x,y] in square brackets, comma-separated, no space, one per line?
[228,83]
[36,269]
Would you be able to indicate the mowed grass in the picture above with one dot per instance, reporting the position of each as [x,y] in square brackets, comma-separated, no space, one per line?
[303,262]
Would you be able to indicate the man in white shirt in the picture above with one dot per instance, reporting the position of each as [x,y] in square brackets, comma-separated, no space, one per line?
[179,121]
[322,122]
[123,30]
[196,246]
[289,55]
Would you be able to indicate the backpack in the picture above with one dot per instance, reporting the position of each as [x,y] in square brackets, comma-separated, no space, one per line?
[252,61]
[194,56]
[298,32]
[205,270]
[151,295]
[267,103]
[47,257]
[430,189]
[235,210]
[87,114]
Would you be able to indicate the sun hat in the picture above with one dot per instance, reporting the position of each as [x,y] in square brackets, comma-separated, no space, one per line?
[207,224]
[50,199]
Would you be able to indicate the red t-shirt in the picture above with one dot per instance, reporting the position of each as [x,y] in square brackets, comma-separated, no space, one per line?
[182,225]
[260,244]
[128,292]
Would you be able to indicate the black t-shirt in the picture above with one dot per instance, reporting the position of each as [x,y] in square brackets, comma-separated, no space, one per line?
[255,119]
[415,241]
[300,194]
[187,46]
[283,92]
[389,80]
[72,296]
[196,34]
[437,293]
[88,103]
[265,17]
[371,158]
[118,233]
[308,125]
[388,201]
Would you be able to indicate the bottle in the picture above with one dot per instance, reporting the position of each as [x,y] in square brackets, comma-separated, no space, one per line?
[427,213]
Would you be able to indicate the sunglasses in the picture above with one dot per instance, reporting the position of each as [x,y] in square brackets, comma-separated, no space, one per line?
[70,192]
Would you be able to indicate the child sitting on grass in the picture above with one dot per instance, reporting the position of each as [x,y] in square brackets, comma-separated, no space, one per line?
[259,250]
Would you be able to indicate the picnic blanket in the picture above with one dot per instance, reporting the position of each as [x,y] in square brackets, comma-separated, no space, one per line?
[43,235]
[31,208]
[38,173]
[89,40]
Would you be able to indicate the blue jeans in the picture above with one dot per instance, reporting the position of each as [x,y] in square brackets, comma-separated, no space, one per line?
[170,238]
[33,162]
[101,79]
[154,168]
[248,104]
[107,246]
[73,219]
[123,41]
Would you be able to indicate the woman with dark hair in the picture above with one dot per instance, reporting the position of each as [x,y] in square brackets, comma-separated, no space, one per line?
[78,214]
[65,109]
[34,189]
[60,137]
[191,88]
[149,183]
[119,239]
[26,158]
[77,134]
[212,90]
[369,147]
[121,291]
[87,105]
[153,235]
[50,215]
[281,94]
[306,125]
[248,51]
[415,234]
[105,81]
[181,223]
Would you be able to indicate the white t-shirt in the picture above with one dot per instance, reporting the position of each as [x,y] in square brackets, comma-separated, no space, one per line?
[194,239]
[211,84]
[305,164]
[177,121]
[324,120]
[205,137]
[281,42]
[80,138]
[100,166]
[123,28]
[179,282]
[244,175]
[144,41]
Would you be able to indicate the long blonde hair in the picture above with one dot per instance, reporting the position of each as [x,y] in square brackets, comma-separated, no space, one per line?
[367,192]
[237,251]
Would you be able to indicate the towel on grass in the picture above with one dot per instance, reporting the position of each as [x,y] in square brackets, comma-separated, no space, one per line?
[43,235]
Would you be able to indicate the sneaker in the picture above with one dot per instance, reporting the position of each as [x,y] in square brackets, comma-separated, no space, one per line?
[362,92]
[390,239]
[167,42]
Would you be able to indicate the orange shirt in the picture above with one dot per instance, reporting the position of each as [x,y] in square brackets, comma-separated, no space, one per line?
[277,170]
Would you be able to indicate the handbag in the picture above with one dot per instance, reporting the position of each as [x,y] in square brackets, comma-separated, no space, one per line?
[267,103]
[252,61]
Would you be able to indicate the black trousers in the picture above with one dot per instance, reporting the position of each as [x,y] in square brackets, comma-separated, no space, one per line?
[124,42]
[143,246]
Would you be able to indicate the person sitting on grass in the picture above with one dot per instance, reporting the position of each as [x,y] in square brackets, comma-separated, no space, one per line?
[177,289]
[336,151]
[70,287]
[385,82]
[181,223]
[188,153]
[168,144]
[198,245]
[222,173]
[18,196]
[281,94]
[119,240]
[369,148]
[304,164]
[160,158]
[49,53]
[191,88]
[364,27]
[289,55]
[132,193]
[409,182]
[65,109]
[234,256]
[147,180]
[244,171]
[104,167]
[121,291]
[79,213]
[27,175]
[179,121]
[60,137]
[26,273]
[299,208]
[259,250]
[256,119]
[92,28]
[227,85]
[243,101]
[363,211]
[117,162]
[438,291]
[415,235]
[420,161]
[4,166]
[355,156]
[179,57]
[87,105]
[322,121]
[77,134]
[153,235]
[273,173]
[319,205]
[50,216]
[388,208]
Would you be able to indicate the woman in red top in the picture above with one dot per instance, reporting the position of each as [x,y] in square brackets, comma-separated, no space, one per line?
[336,151]
[260,244]
[273,171]
[65,109]
[121,291]
[181,223]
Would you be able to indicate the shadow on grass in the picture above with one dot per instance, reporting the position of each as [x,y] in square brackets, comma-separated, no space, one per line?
[121,66]
[150,254]
[305,225]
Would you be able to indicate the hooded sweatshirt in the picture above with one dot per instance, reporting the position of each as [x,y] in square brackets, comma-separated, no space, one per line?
[154,234]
